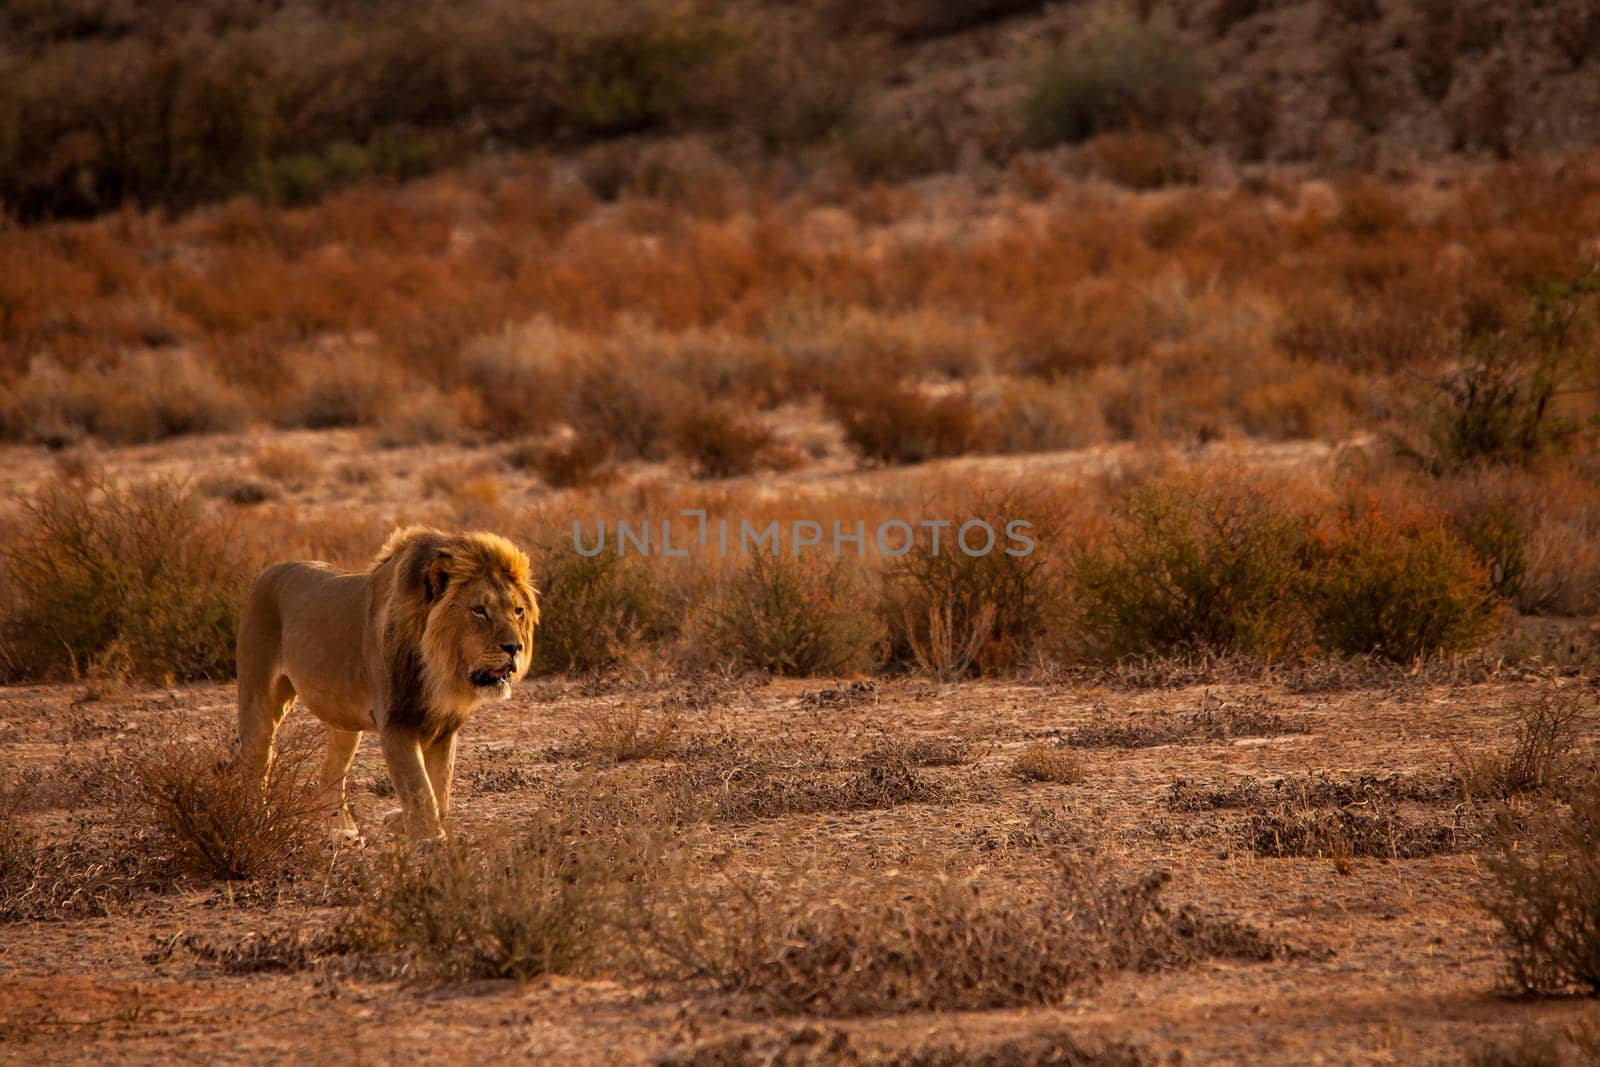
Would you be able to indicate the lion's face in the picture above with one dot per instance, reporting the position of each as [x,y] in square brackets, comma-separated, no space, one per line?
[479,632]
[496,634]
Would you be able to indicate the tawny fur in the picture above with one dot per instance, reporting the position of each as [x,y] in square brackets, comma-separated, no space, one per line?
[436,625]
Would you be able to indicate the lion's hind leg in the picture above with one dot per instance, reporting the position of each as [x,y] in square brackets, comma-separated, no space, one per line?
[261,708]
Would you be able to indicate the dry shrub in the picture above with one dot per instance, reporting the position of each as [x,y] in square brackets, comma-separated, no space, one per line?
[916,750]
[17,840]
[1505,401]
[1187,567]
[90,873]
[1048,763]
[328,389]
[1120,72]
[719,441]
[1573,1046]
[269,952]
[144,396]
[798,616]
[931,940]
[138,572]
[911,19]
[1320,790]
[1400,588]
[739,789]
[1547,894]
[210,819]
[567,461]
[1542,757]
[953,612]
[596,610]
[557,898]
[900,422]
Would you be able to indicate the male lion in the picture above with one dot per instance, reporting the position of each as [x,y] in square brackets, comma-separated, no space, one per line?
[437,624]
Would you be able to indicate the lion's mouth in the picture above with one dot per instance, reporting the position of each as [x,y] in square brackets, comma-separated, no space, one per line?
[484,677]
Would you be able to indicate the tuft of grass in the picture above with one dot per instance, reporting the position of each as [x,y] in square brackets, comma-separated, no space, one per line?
[1369,830]
[1048,763]
[794,616]
[621,737]
[1212,721]
[139,573]
[953,613]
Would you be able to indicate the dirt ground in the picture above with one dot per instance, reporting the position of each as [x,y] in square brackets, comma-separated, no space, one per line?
[1395,960]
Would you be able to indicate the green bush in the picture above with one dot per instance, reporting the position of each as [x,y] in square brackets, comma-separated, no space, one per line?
[140,575]
[1120,72]
[1398,589]
[1185,567]
[794,616]
[594,609]
[1504,403]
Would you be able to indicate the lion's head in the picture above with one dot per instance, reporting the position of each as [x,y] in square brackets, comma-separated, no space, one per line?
[477,611]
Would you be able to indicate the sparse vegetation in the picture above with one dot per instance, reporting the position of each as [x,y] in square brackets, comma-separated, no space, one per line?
[596,608]
[794,616]
[212,822]
[1048,763]
[1122,72]
[1187,567]
[140,574]
[1547,877]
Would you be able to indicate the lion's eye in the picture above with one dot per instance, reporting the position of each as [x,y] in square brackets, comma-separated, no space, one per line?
[520,613]
[482,613]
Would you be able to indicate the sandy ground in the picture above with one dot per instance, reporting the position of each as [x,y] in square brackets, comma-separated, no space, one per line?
[1401,963]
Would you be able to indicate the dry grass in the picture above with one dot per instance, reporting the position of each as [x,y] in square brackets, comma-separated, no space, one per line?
[946,939]
[627,736]
[1214,720]
[1048,763]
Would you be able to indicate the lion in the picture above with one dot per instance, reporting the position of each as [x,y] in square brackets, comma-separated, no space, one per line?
[436,625]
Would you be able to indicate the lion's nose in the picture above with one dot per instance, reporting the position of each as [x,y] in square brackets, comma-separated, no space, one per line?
[512,649]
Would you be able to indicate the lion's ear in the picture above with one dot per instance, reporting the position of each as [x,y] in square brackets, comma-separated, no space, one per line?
[436,576]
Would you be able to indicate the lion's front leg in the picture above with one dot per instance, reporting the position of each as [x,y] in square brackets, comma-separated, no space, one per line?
[440,760]
[402,751]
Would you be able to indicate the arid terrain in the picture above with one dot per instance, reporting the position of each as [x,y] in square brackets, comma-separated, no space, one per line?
[1263,337]
[1386,960]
